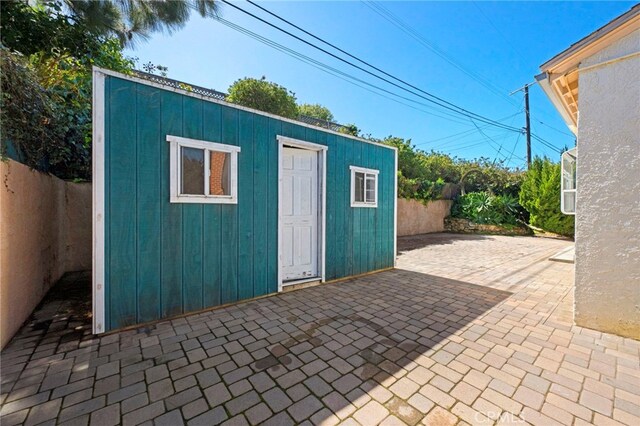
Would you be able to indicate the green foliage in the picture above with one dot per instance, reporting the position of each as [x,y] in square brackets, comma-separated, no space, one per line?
[133,20]
[540,196]
[46,86]
[36,124]
[316,111]
[483,207]
[419,170]
[350,129]
[36,29]
[264,96]
[486,175]
[420,189]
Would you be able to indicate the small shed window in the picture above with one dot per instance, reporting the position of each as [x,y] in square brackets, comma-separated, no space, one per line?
[568,182]
[202,171]
[364,187]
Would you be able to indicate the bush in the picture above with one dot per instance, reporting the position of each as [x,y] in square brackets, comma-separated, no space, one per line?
[47,58]
[540,196]
[420,189]
[316,111]
[423,175]
[483,207]
[264,96]
[30,119]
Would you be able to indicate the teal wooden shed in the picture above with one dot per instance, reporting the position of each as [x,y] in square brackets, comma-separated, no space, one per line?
[200,203]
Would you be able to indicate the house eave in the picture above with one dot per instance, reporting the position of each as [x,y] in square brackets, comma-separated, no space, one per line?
[571,57]
[544,81]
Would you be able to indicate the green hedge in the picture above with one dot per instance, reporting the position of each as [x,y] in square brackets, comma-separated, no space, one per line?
[540,196]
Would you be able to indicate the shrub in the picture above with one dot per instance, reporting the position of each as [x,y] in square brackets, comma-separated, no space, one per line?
[483,207]
[30,119]
[316,111]
[540,196]
[264,96]
[420,189]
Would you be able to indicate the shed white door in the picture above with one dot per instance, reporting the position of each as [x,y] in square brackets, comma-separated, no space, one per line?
[299,214]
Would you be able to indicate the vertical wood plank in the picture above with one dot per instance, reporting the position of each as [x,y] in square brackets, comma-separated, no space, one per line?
[171,214]
[122,203]
[371,245]
[341,195]
[107,203]
[275,129]
[149,229]
[380,213]
[392,200]
[293,130]
[332,194]
[245,203]
[229,242]
[364,223]
[389,207]
[261,203]
[212,218]
[192,235]
[356,148]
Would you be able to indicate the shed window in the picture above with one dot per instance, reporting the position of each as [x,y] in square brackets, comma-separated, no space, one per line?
[202,171]
[568,182]
[364,187]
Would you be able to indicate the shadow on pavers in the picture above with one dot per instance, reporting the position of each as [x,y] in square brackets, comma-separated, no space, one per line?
[404,314]
[362,331]
[414,242]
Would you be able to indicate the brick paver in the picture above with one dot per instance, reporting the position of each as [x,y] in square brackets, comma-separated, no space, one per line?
[467,330]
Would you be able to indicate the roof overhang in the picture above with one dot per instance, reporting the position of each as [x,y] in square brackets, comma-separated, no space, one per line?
[559,78]
[563,94]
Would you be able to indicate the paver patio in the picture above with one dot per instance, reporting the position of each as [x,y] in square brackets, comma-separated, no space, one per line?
[468,329]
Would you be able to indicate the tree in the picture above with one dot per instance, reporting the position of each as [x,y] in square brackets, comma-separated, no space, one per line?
[263,95]
[38,29]
[316,111]
[540,196]
[46,86]
[130,20]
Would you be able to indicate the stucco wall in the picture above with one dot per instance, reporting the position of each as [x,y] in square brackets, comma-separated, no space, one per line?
[607,285]
[416,218]
[45,230]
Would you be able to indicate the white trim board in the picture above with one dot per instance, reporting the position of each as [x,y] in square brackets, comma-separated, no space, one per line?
[175,171]
[139,80]
[98,221]
[322,204]
[352,184]
[395,212]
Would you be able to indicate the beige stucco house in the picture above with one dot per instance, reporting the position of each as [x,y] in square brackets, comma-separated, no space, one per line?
[595,86]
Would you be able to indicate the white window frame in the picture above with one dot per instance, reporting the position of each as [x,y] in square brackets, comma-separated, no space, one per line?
[367,173]
[175,171]
[570,156]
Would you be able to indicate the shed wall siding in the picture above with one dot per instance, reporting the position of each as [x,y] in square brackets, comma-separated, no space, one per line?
[164,259]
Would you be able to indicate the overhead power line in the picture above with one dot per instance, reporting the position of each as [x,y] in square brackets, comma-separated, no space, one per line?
[546,143]
[466,133]
[341,74]
[425,95]
[385,13]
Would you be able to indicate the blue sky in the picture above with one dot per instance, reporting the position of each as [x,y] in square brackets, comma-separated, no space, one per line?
[501,44]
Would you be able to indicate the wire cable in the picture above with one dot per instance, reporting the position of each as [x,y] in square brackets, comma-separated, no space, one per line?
[340,74]
[385,13]
[429,97]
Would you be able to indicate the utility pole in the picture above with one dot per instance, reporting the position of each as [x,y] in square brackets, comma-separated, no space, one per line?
[527,126]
